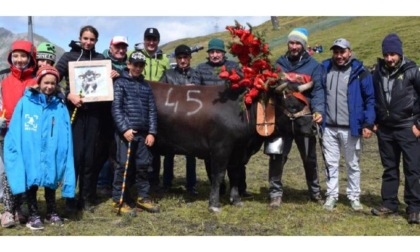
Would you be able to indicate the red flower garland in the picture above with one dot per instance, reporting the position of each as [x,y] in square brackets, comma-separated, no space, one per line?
[252,52]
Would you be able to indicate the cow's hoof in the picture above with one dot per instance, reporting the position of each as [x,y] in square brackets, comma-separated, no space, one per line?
[215,209]
[238,204]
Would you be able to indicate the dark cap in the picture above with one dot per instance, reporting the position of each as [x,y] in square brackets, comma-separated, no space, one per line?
[182,49]
[152,32]
[137,57]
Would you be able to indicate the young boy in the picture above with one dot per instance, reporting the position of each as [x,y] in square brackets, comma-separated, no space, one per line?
[38,148]
[45,54]
[22,66]
[135,116]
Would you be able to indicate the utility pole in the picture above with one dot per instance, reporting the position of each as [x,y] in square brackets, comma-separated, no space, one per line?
[275,23]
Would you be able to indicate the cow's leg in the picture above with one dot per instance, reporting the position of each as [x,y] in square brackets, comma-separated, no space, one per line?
[218,170]
[234,175]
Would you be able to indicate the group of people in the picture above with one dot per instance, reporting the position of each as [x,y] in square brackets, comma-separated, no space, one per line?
[116,139]
[347,103]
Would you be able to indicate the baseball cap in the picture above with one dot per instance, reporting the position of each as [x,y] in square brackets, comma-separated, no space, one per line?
[137,57]
[182,49]
[342,43]
[118,40]
[152,32]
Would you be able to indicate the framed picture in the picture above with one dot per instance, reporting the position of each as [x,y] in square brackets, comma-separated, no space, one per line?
[92,80]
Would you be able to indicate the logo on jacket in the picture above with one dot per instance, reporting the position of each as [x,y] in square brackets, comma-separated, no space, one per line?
[31,122]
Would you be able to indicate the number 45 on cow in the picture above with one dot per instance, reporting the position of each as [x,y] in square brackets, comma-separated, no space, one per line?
[93,79]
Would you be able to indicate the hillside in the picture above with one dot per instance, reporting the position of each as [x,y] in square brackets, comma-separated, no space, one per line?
[364,33]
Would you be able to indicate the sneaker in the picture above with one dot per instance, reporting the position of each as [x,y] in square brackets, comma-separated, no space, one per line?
[147,205]
[125,208]
[275,202]
[192,191]
[54,219]
[329,203]
[245,194]
[35,223]
[356,205]
[383,211]
[317,198]
[7,220]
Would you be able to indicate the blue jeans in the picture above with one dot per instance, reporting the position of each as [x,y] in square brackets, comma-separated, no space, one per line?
[168,171]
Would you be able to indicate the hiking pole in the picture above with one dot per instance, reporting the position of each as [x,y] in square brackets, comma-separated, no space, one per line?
[320,137]
[120,203]
[73,115]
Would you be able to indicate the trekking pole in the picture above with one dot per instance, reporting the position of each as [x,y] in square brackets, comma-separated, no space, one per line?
[321,144]
[124,178]
[73,115]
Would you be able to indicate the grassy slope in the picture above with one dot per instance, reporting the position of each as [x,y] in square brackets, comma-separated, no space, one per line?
[297,216]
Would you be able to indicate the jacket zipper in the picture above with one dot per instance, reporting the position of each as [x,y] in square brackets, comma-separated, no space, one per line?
[52,126]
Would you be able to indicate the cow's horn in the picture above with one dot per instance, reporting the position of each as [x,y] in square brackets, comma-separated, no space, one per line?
[305,86]
[280,88]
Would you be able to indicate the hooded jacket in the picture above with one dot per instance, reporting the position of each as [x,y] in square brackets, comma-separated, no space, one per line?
[309,66]
[38,148]
[14,85]
[403,109]
[156,64]
[360,96]
[77,53]
[117,65]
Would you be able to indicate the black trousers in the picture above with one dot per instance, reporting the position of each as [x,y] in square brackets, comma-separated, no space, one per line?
[33,203]
[392,143]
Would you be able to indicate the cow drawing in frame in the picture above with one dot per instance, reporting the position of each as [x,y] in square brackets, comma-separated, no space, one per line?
[92,80]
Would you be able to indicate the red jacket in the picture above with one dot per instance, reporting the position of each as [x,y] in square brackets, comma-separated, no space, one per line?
[14,85]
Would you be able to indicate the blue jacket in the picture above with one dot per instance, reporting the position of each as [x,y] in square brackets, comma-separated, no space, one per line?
[134,105]
[360,94]
[309,66]
[38,147]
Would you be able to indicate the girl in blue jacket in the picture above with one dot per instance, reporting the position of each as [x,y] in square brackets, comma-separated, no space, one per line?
[38,148]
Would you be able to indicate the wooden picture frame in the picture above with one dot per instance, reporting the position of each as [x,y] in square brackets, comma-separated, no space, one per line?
[91,79]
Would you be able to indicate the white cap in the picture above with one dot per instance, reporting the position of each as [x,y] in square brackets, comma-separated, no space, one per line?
[119,39]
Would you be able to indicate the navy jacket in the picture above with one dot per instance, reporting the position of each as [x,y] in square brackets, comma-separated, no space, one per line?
[134,105]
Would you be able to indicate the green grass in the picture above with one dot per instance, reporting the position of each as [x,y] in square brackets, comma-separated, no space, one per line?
[297,216]
[185,216]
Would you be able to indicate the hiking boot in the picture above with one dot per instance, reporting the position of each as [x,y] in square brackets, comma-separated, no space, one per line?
[356,205]
[192,191]
[125,208]
[54,219]
[147,205]
[245,194]
[317,198]
[7,220]
[35,223]
[329,203]
[275,202]
[413,218]
[383,211]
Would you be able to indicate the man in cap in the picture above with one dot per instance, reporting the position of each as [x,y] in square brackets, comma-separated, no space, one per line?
[156,64]
[350,114]
[135,117]
[117,53]
[396,81]
[207,73]
[298,61]
[180,75]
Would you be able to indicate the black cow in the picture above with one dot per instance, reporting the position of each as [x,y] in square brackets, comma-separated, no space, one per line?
[207,122]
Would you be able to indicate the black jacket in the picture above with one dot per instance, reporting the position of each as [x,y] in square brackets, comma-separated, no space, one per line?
[177,76]
[134,105]
[404,108]
[208,73]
